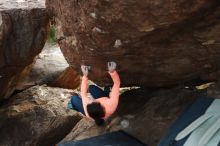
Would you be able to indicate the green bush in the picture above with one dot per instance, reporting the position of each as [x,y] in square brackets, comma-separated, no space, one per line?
[52,34]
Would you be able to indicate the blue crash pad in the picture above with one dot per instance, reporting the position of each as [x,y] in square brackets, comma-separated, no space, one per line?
[190,114]
[119,138]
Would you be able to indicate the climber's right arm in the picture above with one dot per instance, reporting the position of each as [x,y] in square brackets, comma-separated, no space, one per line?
[84,88]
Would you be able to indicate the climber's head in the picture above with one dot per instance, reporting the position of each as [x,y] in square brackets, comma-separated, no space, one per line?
[97,112]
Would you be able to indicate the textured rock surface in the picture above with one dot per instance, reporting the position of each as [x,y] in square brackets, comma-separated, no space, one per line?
[21,4]
[155,43]
[50,67]
[143,114]
[37,117]
[23,32]
[68,79]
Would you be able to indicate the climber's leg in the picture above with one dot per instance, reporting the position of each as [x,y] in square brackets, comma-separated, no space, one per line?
[97,92]
[77,104]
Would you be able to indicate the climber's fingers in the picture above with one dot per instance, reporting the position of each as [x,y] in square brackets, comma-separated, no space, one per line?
[85,69]
[111,66]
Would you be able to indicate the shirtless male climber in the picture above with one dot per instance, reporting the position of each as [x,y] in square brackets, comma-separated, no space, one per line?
[104,103]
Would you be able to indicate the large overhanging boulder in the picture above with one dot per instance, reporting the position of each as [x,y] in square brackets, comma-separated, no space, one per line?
[23,32]
[155,43]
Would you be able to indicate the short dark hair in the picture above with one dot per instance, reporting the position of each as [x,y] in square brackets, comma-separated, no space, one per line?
[97,112]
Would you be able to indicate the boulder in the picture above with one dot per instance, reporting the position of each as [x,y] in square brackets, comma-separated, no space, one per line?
[155,43]
[23,32]
[143,114]
[37,117]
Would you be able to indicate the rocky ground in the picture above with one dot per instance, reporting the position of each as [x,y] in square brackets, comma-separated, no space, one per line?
[144,114]
[48,65]
[42,110]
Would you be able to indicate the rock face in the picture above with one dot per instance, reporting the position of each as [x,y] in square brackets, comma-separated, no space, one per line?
[146,117]
[68,79]
[155,43]
[23,32]
[37,117]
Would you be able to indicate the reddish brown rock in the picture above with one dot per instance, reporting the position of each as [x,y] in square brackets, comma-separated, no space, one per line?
[23,32]
[155,43]
[68,79]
